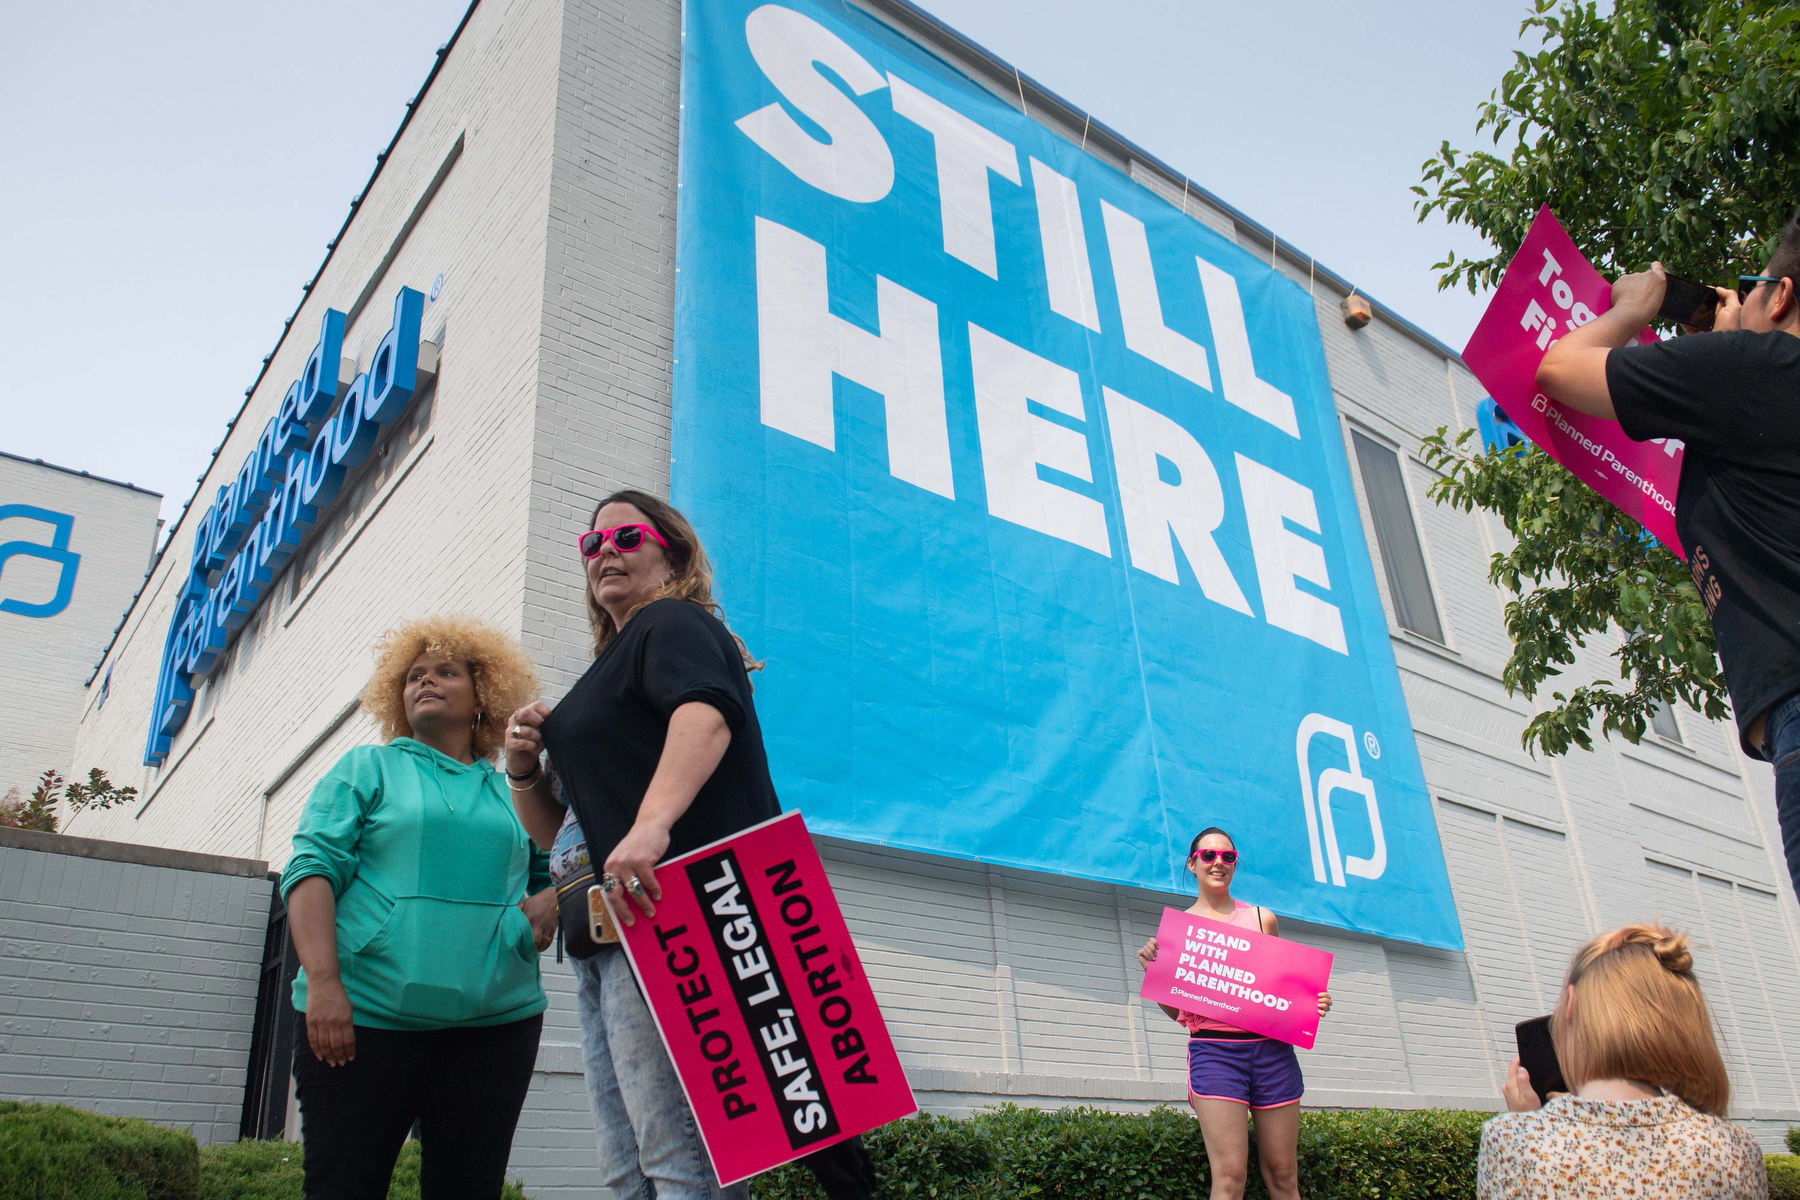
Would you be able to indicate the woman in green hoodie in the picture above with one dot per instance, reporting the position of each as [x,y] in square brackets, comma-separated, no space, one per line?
[418,907]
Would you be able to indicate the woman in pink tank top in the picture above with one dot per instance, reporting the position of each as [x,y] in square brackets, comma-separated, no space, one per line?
[1233,1072]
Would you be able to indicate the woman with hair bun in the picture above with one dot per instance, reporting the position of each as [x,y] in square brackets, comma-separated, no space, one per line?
[1233,1073]
[1647,1113]
[418,907]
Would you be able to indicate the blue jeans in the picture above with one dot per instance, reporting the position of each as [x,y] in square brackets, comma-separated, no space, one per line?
[1781,743]
[650,1148]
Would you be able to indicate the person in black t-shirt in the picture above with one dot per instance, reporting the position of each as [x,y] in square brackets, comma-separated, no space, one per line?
[1733,396]
[657,751]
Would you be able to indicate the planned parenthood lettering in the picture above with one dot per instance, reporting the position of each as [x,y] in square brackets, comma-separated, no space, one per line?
[1028,486]
[325,426]
[761,999]
[1251,980]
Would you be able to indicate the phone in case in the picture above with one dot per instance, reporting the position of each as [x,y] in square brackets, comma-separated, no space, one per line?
[600,921]
[1689,303]
[1537,1054]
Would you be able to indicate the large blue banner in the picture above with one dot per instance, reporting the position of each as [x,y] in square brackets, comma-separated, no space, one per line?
[1029,488]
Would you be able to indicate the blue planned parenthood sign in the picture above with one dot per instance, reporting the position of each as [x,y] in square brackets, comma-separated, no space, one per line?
[1029,488]
[324,427]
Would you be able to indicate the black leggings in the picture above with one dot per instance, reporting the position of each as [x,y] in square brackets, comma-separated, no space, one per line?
[463,1086]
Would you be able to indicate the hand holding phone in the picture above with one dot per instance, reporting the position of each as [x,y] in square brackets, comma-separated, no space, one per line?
[1689,303]
[1537,1054]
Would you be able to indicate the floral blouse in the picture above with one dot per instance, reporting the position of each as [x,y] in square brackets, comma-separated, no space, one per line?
[1574,1149]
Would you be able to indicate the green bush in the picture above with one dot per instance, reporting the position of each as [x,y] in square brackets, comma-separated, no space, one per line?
[52,1150]
[1793,1139]
[252,1170]
[1784,1175]
[1083,1153]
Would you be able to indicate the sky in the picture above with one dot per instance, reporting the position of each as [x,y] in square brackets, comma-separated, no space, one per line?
[170,173]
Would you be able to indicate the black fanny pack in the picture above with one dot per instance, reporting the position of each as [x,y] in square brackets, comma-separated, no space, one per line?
[576,921]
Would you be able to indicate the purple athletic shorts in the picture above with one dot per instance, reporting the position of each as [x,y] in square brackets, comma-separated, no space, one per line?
[1260,1072]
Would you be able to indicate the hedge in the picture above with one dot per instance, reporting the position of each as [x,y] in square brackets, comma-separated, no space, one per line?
[1784,1174]
[1793,1139]
[1087,1154]
[1069,1154]
[251,1170]
[52,1150]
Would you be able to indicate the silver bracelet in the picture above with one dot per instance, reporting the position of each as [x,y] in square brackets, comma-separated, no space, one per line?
[528,784]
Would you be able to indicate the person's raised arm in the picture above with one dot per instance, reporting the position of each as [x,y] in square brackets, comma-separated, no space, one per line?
[1574,369]
[696,741]
[538,810]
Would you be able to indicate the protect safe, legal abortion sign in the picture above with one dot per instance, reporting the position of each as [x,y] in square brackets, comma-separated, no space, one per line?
[762,1001]
[1029,489]
[1252,980]
[1549,289]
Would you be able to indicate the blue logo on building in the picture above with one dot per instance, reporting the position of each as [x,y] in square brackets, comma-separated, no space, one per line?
[325,427]
[1498,432]
[57,551]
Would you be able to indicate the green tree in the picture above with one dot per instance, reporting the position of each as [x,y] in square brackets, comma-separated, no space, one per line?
[1660,130]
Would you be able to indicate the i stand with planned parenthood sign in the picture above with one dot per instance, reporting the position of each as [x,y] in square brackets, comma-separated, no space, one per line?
[758,993]
[1549,289]
[1255,981]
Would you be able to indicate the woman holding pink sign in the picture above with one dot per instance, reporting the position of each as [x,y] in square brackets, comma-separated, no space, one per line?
[656,750]
[1233,1072]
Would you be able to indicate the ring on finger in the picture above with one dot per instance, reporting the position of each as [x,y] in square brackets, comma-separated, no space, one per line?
[608,884]
[635,886]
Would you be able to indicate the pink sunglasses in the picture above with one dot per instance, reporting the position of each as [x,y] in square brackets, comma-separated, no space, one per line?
[625,539]
[1228,857]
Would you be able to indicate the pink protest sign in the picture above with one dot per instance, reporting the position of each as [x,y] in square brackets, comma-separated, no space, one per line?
[761,999]
[1549,288]
[1252,980]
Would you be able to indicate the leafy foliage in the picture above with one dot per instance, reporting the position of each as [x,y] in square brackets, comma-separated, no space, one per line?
[1082,1153]
[274,1170]
[1578,568]
[52,1150]
[1784,1175]
[1663,129]
[1658,130]
[98,792]
[39,812]
[1793,1139]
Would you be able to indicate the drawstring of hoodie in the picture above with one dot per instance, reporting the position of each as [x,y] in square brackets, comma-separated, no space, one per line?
[437,776]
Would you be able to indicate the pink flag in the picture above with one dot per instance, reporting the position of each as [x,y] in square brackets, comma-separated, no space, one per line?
[761,999]
[1252,980]
[1549,289]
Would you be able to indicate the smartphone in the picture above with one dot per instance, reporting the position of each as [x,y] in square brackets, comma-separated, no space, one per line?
[600,921]
[1689,303]
[1537,1054]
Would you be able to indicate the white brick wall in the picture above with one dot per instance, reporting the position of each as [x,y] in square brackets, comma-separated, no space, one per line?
[129,987]
[45,661]
[555,233]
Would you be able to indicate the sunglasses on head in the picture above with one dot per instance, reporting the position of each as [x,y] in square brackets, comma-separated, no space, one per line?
[1228,857]
[625,539]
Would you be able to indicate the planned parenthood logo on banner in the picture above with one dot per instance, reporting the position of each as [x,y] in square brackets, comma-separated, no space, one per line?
[1029,488]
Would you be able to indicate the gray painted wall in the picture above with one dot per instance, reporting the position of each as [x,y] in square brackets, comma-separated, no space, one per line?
[128,978]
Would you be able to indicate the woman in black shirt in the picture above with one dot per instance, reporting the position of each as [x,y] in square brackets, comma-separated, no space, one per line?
[657,751]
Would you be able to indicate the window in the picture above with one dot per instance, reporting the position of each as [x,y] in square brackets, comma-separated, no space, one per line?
[1662,723]
[1402,557]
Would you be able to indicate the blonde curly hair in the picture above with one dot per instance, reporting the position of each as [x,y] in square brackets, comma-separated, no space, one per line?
[503,677]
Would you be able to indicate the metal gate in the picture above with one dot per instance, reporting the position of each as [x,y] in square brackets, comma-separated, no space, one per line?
[272,1038]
